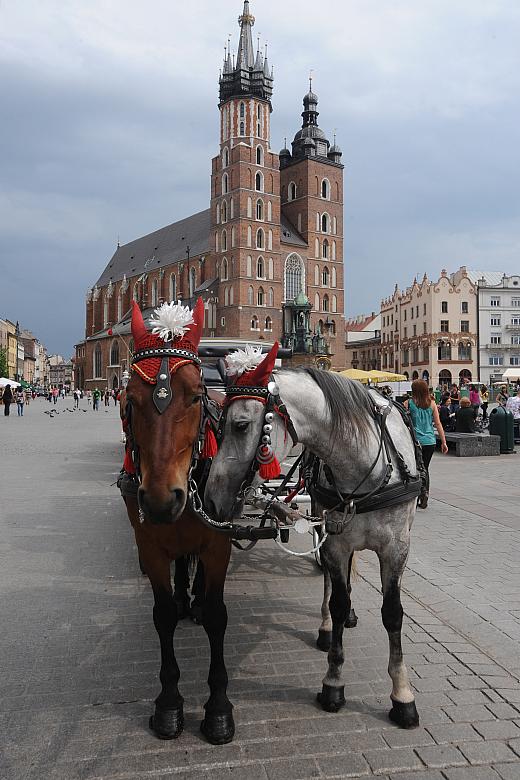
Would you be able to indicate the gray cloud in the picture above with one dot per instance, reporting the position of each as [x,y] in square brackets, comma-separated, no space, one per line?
[109,123]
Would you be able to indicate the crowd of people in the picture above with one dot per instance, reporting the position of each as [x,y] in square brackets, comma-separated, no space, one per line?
[10,395]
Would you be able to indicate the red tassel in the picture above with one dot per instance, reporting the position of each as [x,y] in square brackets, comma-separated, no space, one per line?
[128,463]
[209,450]
[270,470]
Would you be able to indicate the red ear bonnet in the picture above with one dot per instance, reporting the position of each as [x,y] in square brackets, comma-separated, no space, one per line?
[259,376]
[138,327]
[194,332]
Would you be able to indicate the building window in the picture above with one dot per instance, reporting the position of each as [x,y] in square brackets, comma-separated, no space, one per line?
[334,304]
[260,268]
[224,272]
[249,208]
[406,358]
[514,360]
[425,353]
[249,266]
[495,338]
[223,211]
[260,298]
[259,238]
[259,182]
[325,189]
[242,128]
[464,326]
[325,248]
[250,296]
[464,351]
[324,223]
[259,209]
[494,302]
[292,191]
[268,324]
[270,297]
[224,240]
[424,308]
[325,278]
[254,323]
[294,276]
[405,333]
[464,307]
[225,184]
[495,321]
[259,155]
[496,360]
[515,302]
[271,268]
[515,339]
[444,351]
[225,157]
[114,353]
[119,305]
[515,320]
[249,236]
[317,302]
[445,326]
[98,373]
[173,287]
[154,293]
[326,303]
[333,282]
[444,307]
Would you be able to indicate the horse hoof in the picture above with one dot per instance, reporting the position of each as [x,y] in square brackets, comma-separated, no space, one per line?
[331,698]
[351,621]
[324,640]
[196,610]
[167,724]
[219,729]
[183,607]
[404,714]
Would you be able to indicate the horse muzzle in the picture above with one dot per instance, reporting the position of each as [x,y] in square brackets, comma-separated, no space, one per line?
[162,511]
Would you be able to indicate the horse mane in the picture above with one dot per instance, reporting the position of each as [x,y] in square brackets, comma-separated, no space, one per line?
[349,404]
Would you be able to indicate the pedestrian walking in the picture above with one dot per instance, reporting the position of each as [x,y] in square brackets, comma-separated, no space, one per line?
[96,397]
[425,415]
[76,398]
[89,397]
[106,396]
[7,398]
[484,397]
[20,401]
[55,393]
[513,406]
[502,396]
[115,394]
[474,398]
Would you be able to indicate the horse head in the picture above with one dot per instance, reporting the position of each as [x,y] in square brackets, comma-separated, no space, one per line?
[163,407]
[246,421]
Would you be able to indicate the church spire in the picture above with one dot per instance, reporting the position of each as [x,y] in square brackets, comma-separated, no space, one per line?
[245,56]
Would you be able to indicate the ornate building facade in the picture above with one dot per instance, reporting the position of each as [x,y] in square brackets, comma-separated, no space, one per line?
[273,233]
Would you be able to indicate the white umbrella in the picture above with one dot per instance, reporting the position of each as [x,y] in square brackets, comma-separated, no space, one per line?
[4,382]
[511,373]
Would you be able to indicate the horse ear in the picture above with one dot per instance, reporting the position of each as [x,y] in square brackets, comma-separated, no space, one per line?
[138,327]
[260,375]
[194,332]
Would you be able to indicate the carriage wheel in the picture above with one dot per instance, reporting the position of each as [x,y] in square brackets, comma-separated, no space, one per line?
[316,537]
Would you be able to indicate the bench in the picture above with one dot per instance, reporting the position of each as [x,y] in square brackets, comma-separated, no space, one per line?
[468,445]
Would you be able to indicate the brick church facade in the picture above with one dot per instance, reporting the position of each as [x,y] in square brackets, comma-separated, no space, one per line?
[266,257]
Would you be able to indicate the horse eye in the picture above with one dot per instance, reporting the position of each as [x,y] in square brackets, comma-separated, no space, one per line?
[196,399]
[242,425]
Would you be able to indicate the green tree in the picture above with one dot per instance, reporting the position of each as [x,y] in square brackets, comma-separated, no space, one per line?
[3,362]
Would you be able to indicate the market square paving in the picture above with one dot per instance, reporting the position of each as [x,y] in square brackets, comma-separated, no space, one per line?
[79,654]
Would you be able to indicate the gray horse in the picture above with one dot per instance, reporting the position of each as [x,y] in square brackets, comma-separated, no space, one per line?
[333,418]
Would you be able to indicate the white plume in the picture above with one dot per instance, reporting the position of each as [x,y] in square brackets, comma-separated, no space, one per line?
[172,318]
[243,360]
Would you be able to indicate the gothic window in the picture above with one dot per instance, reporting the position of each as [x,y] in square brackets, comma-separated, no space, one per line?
[259,120]
[225,157]
[250,295]
[271,268]
[223,211]
[325,189]
[294,276]
[259,155]
[225,184]
[332,328]
[316,275]
[334,304]
[259,182]
[224,274]
[119,305]
[114,353]
[249,266]
[249,236]
[154,293]
[317,301]
[260,268]
[325,248]
[97,362]
[173,287]
[325,223]
[242,110]
[192,281]
[259,238]
[325,277]
[268,324]
[318,220]
[333,282]
[270,297]
[233,237]
[242,128]
[333,250]
[254,323]
[226,296]
[224,240]
[292,191]
[316,247]
[260,209]
[326,303]
[249,208]
[269,211]
[261,297]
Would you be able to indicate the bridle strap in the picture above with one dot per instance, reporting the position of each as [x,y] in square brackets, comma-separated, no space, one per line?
[162,352]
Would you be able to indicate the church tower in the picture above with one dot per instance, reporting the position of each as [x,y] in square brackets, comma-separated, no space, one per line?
[312,201]
[245,197]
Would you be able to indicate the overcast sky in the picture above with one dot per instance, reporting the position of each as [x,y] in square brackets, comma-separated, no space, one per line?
[108,122]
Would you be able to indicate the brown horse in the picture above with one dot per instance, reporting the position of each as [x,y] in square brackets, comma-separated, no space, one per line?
[165,422]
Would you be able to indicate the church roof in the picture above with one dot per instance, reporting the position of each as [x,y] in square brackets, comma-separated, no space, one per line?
[160,248]
[289,234]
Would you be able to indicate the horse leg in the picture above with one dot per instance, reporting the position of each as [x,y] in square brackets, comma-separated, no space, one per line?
[218,725]
[197,591]
[325,630]
[392,562]
[168,719]
[351,621]
[181,584]
[332,696]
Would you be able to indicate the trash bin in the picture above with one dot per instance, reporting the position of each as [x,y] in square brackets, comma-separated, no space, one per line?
[501,423]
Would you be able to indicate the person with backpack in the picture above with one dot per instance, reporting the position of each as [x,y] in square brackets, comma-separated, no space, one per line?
[7,399]
[96,397]
[20,400]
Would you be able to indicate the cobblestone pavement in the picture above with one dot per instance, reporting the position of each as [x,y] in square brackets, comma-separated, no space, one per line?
[79,654]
